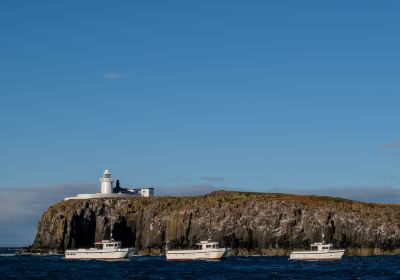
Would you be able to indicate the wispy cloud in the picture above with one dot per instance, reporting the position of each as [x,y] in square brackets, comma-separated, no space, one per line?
[21,209]
[395,144]
[182,179]
[113,76]
[389,176]
[213,179]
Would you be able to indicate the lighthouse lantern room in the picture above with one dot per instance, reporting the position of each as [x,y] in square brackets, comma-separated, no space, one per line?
[106,182]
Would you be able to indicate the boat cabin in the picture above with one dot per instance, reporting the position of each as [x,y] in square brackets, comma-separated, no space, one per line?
[108,245]
[203,245]
[321,247]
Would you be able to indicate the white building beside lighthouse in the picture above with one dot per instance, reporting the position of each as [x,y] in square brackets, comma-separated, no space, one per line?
[107,190]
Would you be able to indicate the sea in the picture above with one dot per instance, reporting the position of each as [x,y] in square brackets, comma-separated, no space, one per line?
[14,266]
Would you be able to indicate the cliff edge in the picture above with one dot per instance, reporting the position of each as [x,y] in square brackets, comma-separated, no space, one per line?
[250,223]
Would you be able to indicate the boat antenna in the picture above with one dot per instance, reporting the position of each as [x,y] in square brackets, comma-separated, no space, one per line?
[209,234]
[323,236]
[111,232]
[167,246]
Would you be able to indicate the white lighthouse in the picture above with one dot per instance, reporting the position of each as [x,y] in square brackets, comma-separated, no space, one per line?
[106,182]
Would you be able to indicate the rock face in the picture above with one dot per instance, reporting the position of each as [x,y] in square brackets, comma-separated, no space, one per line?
[250,223]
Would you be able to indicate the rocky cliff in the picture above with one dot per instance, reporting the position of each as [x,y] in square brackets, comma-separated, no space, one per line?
[251,223]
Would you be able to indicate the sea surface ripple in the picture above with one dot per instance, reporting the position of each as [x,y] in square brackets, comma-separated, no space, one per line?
[56,267]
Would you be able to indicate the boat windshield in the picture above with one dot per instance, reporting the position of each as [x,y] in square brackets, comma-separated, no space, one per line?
[107,245]
[207,245]
[112,245]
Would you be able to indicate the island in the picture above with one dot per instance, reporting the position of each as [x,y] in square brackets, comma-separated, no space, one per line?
[270,224]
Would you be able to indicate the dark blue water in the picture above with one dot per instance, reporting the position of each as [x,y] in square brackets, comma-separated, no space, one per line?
[56,267]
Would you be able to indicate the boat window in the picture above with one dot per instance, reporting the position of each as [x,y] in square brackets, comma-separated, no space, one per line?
[325,247]
[314,248]
[208,246]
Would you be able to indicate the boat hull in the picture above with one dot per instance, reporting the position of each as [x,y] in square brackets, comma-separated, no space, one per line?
[189,255]
[98,254]
[331,255]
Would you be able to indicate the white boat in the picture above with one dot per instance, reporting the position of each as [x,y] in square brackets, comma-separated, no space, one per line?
[106,249]
[319,252]
[207,250]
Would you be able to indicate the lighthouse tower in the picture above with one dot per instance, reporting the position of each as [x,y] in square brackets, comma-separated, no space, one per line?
[106,182]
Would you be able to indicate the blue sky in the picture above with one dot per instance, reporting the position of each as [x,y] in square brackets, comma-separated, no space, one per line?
[250,95]
[283,94]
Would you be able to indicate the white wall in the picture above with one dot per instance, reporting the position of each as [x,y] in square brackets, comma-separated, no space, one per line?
[147,192]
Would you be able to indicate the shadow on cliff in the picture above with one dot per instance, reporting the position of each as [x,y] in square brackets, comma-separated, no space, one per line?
[123,233]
